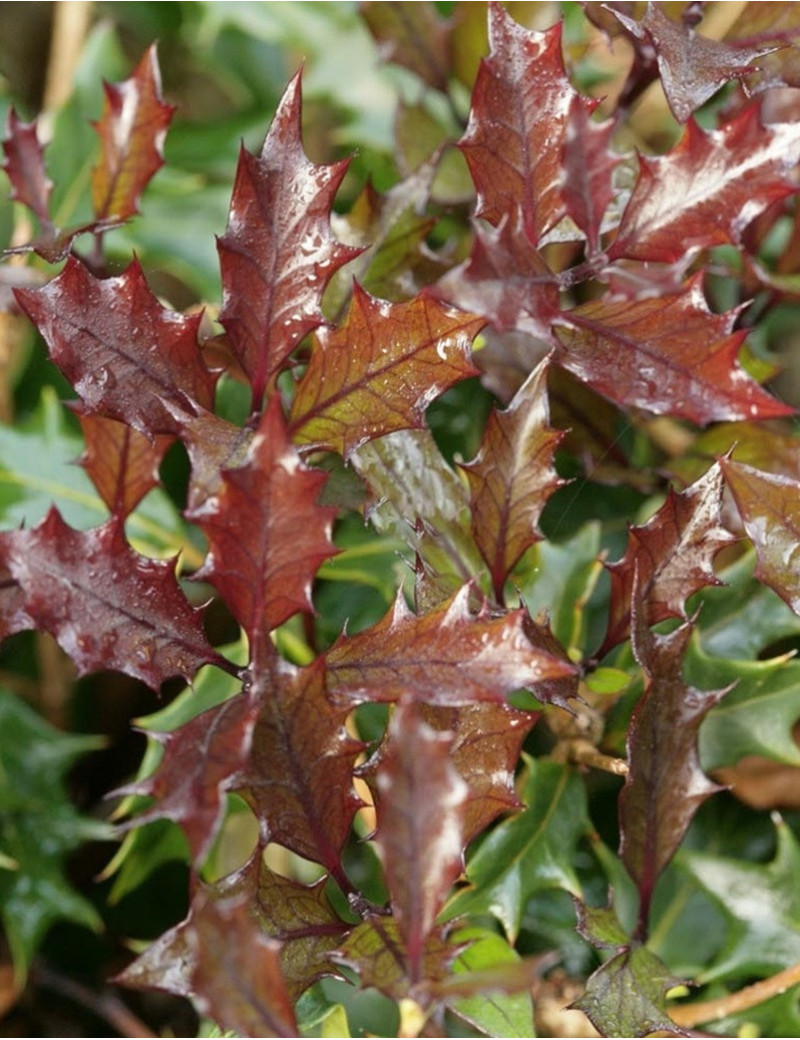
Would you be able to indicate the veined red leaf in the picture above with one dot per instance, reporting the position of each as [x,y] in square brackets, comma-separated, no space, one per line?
[667,354]
[126,355]
[214,446]
[588,169]
[108,607]
[447,657]
[769,505]
[420,807]
[122,462]
[512,477]
[132,129]
[506,280]
[665,785]
[708,188]
[24,167]
[692,67]
[201,760]
[518,125]
[299,781]
[671,556]
[380,370]
[277,253]
[414,36]
[266,533]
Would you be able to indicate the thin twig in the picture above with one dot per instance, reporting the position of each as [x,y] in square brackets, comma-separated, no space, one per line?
[690,1015]
[105,1005]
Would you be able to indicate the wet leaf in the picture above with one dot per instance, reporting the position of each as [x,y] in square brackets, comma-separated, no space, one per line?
[672,555]
[125,354]
[707,189]
[278,253]
[512,477]
[589,167]
[667,354]
[267,535]
[131,129]
[447,657]
[108,607]
[379,370]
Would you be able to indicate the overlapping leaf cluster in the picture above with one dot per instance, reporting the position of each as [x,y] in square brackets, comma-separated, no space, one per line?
[584,271]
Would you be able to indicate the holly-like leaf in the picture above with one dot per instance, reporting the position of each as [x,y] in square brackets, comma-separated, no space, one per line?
[132,129]
[447,657]
[380,370]
[518,125]
[667,354]
[665,786]
[266,533]
[201,760]
[277,253]
[758,24]
[672,555]
[626,996]
[214,446]
[39,828]
[760,904]
[420,805]
[375,949]
[769,506]
[108,607]
[708,188]
[126,355]
[122,462]
[512,477]
[24,167]
[414,36]
[531,851]
[588,170]
[692,67]
[299,781]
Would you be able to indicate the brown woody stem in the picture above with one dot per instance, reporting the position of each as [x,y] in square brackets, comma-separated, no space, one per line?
[690,1015]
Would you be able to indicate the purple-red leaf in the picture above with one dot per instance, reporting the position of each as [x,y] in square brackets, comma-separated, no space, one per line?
[769,505]
[667,354]
[518,126]
[588,170]
[692,67]
[412,35]
[448,657]
[671,556]
[708,188]
[214,446]
[132,129]
[420,806]
[380,370]
[201,759]
[24,167]
[299,781]
[665,786]
[512,477]
[108,607]
[126,355]
[277,253]
[122,463]
[266,533]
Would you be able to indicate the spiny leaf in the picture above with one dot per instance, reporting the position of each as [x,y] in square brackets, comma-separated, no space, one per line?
[299,779]
[665,786]
[108,607]
[692,67]
[770,509]
[122,462]
[518,125]
[447,657]
[24,167]
[758,24]
[512,477]
[588,170]
[277,253]
[667,354]
[420,805]
[414,36]
[214,446]
[672,555]
[132,129]
[379,370]
[266,533]
[707,189]
[201,758]
[532,850]
[125,354]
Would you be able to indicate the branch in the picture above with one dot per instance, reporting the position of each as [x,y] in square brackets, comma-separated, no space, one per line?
[690,1015]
